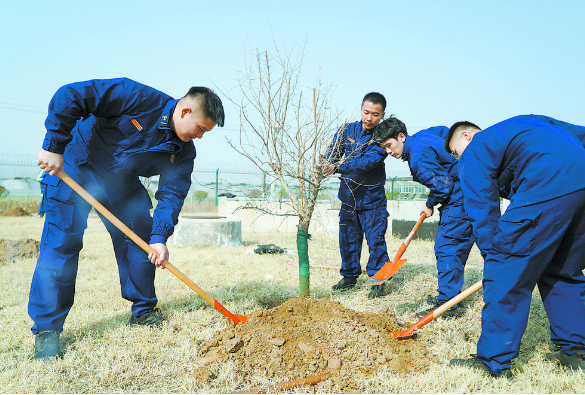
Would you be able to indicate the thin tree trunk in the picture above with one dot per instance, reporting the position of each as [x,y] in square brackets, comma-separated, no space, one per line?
[303,250]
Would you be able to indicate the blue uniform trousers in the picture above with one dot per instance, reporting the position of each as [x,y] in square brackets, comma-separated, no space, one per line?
[453,243]
[542,244]
[53,284]
[352,227]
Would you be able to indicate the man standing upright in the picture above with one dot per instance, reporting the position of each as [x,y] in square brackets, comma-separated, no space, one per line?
[360,164]
[537,163]
[431,166]
[105,134]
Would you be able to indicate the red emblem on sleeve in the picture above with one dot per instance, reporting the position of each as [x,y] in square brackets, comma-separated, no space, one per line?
[135,122]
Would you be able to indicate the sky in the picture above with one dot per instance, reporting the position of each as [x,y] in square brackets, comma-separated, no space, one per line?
[436,62]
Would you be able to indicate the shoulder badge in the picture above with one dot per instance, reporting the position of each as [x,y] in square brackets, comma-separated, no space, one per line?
[173,156]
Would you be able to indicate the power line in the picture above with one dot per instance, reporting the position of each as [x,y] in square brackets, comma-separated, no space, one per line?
[21,105]
[22,109]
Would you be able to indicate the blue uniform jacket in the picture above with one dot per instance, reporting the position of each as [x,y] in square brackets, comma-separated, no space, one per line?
[431,166]
[529,159]
[361,165]
[120,130]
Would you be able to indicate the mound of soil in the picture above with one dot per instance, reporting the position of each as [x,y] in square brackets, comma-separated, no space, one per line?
[308,337]
[11,250]
[15,212]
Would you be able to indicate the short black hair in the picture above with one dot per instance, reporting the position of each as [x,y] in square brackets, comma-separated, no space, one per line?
[376,98]
[211,103]
[453,129]
[389,128]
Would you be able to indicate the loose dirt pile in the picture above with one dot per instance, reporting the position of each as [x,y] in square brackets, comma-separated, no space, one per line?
[15,212]
[307,337]
[11,250]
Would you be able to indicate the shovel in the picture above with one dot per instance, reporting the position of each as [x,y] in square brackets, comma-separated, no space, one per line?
[234,318]
[438,311]
[393,266]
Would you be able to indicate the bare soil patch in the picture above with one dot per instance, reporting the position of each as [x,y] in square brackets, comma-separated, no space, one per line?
[30,206]
[307,337]
[15,212]
[12,250]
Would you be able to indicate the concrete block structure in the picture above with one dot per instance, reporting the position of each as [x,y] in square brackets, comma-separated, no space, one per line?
[325,218]
[203,231]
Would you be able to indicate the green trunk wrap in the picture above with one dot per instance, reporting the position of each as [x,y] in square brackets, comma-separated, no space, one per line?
[303,251]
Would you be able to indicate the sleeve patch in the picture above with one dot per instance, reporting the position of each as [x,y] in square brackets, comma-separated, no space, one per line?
[138,126]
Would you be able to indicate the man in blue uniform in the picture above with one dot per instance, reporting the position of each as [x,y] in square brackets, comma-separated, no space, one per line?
[360,164]
[537,163]
[105,134]
[431,166]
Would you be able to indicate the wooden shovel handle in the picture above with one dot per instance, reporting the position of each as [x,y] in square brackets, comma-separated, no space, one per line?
[446,306]
[452,302]
[423,216]
[142,244]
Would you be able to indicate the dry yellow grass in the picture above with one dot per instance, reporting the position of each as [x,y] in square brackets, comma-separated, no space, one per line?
[103,355]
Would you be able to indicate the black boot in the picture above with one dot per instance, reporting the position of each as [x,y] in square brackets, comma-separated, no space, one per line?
[377,291]
[346,283]
[575,361]
[152,318]
[475,363]
[434,302]
[47,344]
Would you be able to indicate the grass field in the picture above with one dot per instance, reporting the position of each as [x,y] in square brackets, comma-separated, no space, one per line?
[104,355]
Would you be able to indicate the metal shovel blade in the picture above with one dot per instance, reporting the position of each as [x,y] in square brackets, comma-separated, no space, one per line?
[393,266]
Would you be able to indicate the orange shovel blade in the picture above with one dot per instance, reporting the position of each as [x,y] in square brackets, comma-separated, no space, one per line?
[234,318]
[403,334]
[410,331]
[389,269]
[237,319]
[392,267]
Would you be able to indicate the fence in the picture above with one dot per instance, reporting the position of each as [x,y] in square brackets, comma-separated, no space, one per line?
[19,172]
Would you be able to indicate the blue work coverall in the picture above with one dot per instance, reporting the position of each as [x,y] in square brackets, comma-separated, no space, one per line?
[432,166]
[110,132]
[537,163]
[360,162]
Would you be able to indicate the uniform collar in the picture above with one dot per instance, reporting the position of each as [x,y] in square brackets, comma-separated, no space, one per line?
[407,149]
[366,132]
[164,121]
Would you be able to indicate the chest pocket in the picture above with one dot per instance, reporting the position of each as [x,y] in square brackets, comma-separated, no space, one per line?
[132,132]
[106,140]
[355,148]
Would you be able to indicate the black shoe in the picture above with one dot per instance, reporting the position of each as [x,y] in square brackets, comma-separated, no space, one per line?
[423,313]
[47,344]
[433,300]
[152,317]
[377,291]
[575,361]
[475,363]
[448,313]
[345,284]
